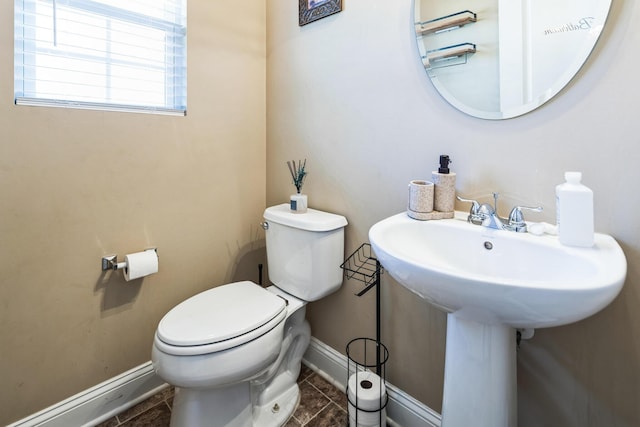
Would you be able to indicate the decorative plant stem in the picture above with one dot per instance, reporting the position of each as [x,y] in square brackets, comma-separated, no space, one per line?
[298,173]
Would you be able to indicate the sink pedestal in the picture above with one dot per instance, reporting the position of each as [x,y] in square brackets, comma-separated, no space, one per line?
[480,386]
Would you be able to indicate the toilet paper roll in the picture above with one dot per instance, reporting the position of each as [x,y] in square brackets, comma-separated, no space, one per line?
[140,264]
[421,196]
[367,419]
[368,393]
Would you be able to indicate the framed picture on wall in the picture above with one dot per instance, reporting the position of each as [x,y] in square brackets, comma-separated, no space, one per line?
[312,10]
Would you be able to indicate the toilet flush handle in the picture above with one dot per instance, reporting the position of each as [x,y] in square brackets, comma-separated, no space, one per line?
[264,225]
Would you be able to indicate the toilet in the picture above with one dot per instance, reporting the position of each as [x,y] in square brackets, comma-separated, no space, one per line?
[234,352]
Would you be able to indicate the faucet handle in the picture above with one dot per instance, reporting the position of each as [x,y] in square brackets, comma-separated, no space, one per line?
[475,206]
[474,211]
[516,218]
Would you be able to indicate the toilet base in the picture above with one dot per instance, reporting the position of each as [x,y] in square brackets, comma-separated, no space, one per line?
[278,411]
[231,407]
[218,407]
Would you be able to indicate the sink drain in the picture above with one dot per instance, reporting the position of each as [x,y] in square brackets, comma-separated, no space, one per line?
[488,245]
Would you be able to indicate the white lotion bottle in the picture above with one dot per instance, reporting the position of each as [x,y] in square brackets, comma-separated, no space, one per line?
[574,211]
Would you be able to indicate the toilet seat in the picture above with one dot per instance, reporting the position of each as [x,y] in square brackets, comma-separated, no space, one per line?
[219,319]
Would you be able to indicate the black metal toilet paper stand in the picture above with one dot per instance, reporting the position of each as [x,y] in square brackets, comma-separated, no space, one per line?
[362,266]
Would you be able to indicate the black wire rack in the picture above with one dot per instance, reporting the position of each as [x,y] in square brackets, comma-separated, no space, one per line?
[361,265]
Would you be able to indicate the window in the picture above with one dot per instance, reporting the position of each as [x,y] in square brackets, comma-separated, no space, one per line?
[101,54]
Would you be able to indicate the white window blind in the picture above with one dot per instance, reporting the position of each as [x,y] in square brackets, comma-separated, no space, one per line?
[101,54]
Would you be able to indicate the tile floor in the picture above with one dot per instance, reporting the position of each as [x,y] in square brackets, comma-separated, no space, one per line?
[321,405]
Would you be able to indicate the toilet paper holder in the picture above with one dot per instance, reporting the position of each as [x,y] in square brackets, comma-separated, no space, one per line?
[110,262]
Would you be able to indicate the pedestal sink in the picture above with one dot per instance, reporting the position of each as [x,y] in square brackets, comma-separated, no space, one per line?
[491,282]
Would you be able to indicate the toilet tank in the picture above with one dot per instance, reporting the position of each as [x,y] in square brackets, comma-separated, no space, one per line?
[305,251]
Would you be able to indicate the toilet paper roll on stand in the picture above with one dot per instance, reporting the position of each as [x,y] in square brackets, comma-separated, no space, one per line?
[367,393]
[140,264]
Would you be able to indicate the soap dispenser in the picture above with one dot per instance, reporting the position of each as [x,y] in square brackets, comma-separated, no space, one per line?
[574,211]
[445,186]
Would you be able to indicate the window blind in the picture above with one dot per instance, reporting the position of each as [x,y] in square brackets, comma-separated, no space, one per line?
[101,54]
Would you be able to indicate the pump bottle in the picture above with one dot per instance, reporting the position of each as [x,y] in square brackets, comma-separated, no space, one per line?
[445,186]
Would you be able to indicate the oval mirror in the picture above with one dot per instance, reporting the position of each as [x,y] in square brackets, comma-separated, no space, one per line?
[504,58]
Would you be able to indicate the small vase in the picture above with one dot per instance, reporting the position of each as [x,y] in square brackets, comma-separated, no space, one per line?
[298,203]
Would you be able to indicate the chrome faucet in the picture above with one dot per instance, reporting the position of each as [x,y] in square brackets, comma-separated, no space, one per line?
[487,215]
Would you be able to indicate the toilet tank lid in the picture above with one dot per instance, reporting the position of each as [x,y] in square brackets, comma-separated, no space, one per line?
[311,220]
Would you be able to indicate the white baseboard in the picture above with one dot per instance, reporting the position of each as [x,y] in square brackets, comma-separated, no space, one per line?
[113,396]
[101,402]
[402,409]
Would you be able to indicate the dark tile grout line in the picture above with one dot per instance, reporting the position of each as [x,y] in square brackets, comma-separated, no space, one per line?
[328,404]
[317,413]
[330,401]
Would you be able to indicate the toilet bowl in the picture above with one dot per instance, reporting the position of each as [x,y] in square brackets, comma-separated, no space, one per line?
[234,352]
[201,342]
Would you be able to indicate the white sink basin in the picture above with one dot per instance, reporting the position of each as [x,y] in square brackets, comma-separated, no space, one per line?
[490,282]
[523,280]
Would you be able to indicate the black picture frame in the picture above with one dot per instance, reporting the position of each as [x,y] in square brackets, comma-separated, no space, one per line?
[312,10]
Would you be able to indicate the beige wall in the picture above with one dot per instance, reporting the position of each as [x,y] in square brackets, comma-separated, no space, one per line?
[76,185]
[348,94]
